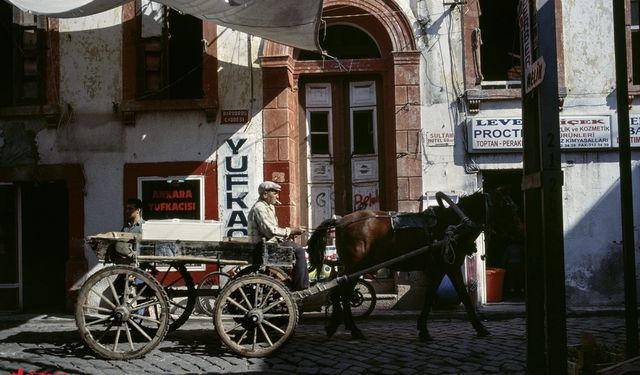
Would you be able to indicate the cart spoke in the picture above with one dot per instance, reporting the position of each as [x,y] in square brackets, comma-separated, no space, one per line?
[98,308]
[146,318]
[126,292]
[257,295]
[104,298]
[245,298]
[237,304]
[233,329]
[129,339]
[139,329]
[264,333]
[273,326]
[166,273]
[255,337]
[242,337]
[233,316]
[265,299]
[106,330]
[276,303]
[113,291]
[271,316]
[98,321]
[115,343]
[142,290]
[145,305]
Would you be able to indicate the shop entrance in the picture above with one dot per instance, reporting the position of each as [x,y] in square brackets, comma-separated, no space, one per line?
[45,244]
[500,253]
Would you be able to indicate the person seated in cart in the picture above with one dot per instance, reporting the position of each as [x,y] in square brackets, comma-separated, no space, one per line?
[133,216]
[263,225]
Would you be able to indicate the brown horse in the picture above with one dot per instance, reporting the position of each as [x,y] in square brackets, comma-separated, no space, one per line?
[368,238]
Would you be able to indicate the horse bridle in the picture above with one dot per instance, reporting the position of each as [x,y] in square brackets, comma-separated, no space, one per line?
[448,252]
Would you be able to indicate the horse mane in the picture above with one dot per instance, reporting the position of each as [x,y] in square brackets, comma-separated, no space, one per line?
[318,242]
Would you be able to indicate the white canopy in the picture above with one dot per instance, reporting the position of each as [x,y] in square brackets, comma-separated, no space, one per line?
[291,22]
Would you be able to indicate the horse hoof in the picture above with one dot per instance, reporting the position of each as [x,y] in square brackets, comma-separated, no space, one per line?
[483,332]
[330,330]
[357,335]
[425,337]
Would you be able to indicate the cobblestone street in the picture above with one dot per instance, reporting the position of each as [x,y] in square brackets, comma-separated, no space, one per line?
[52,345]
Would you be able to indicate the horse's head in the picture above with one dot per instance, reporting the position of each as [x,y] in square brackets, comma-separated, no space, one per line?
[502,215]
[495,211]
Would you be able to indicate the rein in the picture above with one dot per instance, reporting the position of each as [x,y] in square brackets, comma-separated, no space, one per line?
[448,252]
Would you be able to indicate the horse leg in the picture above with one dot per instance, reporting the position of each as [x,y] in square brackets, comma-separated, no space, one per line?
[458,284]
[432,280]
[336,313]
[347,295]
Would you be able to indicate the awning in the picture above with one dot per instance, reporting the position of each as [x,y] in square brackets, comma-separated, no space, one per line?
[291,22]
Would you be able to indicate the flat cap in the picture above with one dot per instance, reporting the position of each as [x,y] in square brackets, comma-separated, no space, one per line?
[268,185]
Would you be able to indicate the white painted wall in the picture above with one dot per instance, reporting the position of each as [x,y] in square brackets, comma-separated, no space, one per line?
[92,134]
[591,191]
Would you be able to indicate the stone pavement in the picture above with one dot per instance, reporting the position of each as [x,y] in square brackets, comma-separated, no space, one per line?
[51,344]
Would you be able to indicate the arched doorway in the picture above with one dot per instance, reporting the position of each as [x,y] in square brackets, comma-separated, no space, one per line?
[347,129]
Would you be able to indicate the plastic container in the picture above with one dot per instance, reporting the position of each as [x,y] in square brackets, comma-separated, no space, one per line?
[495,279]
[446,294]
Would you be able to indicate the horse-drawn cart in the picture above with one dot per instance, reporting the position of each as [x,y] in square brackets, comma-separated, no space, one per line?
[123,311]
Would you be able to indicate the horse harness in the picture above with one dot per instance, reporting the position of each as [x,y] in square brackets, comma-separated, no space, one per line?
[425,221]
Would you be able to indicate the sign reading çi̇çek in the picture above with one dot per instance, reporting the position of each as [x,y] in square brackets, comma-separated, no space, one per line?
[576,132]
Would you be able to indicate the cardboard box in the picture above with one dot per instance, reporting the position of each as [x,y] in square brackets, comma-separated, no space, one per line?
[183,230]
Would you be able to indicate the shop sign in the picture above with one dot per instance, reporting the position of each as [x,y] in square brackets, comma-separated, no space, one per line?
[634,129]
[237,182]
[234,116]
[171,198]
[576,132]
[435,139]
[585,132]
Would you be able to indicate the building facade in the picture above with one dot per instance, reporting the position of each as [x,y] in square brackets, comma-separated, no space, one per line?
[411,98]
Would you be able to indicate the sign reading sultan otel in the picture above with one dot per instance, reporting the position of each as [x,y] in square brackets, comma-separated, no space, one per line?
[576,132]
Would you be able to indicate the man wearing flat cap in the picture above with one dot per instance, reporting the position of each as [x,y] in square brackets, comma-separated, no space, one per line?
[263,224]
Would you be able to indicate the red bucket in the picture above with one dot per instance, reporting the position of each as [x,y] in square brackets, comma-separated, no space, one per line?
[495,279]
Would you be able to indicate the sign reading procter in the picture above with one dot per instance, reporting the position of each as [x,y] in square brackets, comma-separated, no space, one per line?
[576,132]
[495,134]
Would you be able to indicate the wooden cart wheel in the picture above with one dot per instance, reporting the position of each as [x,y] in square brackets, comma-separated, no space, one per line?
[209,289]
[363,300]
[121,312]
[255,315]
[179,285]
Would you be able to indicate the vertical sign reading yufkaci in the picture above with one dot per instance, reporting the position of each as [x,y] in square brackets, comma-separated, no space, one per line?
[237,182]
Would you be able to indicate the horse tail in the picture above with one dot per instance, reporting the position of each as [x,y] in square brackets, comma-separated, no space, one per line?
[318,242]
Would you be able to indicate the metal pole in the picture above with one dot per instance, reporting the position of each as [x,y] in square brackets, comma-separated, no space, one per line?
[626,188]
[534,256]
[542,182]
[553,232]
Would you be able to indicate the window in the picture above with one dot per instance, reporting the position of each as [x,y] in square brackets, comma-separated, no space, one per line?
[169,61]
[319,134]
[633,44]
[23,54]
[492,51]
[171,49]
[345,42]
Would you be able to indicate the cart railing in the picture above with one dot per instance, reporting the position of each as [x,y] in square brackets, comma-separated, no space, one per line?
[122,247]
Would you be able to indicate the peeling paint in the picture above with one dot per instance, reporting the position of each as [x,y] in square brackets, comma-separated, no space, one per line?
[18,147]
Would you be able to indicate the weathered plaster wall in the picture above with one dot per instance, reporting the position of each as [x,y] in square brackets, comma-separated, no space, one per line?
[591,191]
[92,134]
